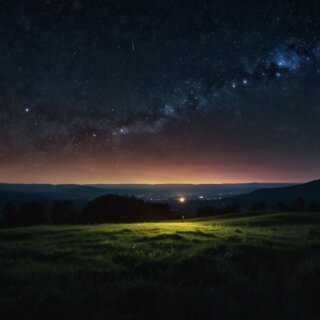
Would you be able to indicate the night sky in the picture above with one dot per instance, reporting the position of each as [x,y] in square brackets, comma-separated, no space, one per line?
[159,91]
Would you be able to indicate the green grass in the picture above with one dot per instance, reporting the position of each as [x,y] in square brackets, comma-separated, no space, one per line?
[247,266]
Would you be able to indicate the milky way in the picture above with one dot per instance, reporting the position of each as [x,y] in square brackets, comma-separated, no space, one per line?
[159,91]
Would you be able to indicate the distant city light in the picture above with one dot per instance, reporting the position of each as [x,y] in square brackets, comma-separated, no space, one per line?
[182,199]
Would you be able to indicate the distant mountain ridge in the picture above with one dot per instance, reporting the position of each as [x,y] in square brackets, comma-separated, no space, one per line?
[19,193]
[232,187]
[309,191]
[20,197]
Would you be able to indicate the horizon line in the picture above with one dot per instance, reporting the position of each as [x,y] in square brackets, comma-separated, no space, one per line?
[155,184]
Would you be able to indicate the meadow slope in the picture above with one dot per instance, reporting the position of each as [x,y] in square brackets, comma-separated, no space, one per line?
[244,266]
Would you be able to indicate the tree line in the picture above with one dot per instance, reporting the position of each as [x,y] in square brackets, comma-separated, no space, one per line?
[299,204]
[208,211]
[115,209]
[105,209]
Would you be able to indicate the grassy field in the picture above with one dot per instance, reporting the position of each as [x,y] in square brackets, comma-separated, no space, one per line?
[247,266]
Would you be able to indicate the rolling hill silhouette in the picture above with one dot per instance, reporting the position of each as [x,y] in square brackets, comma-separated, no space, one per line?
[310,191]
[20,197]
[244,193]
[46,193]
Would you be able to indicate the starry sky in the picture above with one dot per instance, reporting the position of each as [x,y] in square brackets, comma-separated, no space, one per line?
[200,91]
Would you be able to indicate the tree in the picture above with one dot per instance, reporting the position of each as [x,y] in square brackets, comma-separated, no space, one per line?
[207,211]
[299,204]
[257,206]
[232,208]
[9,213]
[32,213]
[281,206]
[314,206]
[115,208]
[63,212]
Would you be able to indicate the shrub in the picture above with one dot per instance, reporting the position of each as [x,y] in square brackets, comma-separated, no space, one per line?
[115,208]
[256,206]
[207,211]
[63,212]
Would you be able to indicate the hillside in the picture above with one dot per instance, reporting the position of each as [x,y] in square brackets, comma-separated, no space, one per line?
[263,266]
[309,191]
[19,193]
[20,197]
[84,193]
[271,196]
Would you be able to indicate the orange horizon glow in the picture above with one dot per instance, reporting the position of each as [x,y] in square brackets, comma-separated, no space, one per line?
[149,175]
[173,165]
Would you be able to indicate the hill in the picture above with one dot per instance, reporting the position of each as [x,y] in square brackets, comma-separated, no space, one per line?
[20,197]
[84,193]
[310,191]
[19,193]
[248,266]
[271,196]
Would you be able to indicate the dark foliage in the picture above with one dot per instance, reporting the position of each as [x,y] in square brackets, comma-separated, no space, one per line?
[211,211]
[63,212]
[232,208]
[9,215]
[281,206]
[299,204]
[207,211]
[28,214]
[109,208]
[114,208]
[314,206]
[257,206]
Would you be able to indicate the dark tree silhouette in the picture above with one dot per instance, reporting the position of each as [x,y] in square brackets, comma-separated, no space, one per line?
[257,206]
[232,208]
[63,212]
[299,204]
[281,206]
[115,208]
[28,214]
[314,206]
[9,215]
[211,211]
[33,213]
[207,211]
